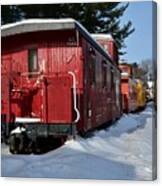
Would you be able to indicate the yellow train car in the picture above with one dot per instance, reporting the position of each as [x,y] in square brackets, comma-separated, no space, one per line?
[141,94]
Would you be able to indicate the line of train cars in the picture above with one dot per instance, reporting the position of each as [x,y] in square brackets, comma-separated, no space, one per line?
[57,79]
[133,90]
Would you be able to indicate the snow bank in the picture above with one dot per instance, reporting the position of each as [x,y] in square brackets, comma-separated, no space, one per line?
[123,151]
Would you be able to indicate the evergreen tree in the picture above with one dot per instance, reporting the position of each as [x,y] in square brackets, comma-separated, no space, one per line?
[10,14]
[95,17]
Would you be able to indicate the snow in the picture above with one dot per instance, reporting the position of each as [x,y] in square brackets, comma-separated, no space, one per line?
[37,21]
[123,74]
[18,130]
[122,151]
[102,36]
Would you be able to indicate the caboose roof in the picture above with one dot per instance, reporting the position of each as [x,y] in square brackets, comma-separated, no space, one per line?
[35,25]
[103,36]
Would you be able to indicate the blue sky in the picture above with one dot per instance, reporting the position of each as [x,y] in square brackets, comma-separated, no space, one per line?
[139,43]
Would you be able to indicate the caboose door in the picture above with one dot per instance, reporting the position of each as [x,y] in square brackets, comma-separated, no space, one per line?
[58,100]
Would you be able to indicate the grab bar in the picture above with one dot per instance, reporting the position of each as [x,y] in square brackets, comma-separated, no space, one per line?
[75,97]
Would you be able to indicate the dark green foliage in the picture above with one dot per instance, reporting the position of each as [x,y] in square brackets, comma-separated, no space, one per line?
[10,13]
[96,17]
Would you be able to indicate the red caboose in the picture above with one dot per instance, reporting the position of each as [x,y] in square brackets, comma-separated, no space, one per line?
[128,88]
[56,80]
[109,45]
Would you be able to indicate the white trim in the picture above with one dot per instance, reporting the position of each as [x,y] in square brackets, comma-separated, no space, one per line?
[27,120]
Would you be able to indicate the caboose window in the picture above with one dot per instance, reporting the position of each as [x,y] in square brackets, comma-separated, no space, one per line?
[32,60]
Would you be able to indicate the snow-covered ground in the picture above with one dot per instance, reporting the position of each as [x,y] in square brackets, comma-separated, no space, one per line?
[123,151]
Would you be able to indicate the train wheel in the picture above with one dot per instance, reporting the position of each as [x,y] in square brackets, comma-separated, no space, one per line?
[13,141]
[18,143]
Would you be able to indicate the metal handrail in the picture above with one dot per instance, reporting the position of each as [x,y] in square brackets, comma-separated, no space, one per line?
[75,97]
